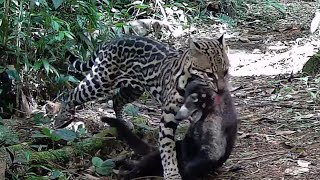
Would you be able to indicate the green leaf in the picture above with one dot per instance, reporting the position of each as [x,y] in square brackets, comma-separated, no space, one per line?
[13,74]
[8,136]
[105,168]
[2,69]
[65,134]
[72,79]
[60,36]
[142,6]
[107,163]
[57,3]
[46,131]
[96,161]
[26,63]
[131,110]
[313,95]
[27,155]
[69,34]
[86,40]
[120,24]
[38,134]
[55,25]
[49,133]
[46,65]
[55,174]
[37,65]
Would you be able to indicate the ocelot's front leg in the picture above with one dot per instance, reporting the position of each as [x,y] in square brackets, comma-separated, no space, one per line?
[168,127]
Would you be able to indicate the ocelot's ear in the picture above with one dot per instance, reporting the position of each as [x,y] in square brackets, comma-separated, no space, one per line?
[194,47]
[221,39]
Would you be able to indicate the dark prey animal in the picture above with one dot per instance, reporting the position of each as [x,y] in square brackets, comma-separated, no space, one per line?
[207,144]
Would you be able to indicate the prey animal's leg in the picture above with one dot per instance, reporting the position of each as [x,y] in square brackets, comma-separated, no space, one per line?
[124,133]
[196,167]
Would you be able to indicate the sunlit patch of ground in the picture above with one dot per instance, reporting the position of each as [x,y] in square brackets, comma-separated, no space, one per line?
[273,59]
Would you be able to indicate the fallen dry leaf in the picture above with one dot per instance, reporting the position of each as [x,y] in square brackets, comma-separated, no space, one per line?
[284,132]
[293,171]
[303,163]
[315,22]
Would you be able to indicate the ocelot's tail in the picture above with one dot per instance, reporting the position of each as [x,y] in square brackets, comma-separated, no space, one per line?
[78,65]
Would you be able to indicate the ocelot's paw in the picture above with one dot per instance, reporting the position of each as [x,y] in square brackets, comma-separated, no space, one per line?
[173,177]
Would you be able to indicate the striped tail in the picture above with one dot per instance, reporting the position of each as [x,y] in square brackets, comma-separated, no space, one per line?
[78,65]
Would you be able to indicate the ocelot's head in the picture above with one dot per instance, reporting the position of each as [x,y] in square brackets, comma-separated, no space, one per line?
[209,57]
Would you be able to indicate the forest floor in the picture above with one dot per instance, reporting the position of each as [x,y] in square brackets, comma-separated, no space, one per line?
[280,122]
[279,135]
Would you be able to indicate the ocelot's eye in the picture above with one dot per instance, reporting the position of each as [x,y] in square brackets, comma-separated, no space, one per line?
[211,75]
[226,72]
[194,97]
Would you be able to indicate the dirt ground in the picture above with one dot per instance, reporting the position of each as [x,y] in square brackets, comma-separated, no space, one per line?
[279,132]
[279,110]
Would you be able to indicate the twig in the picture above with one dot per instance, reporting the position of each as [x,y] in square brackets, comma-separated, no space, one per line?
[162,11]
[286,106]
[238,88]
[147,177]
[252,115]
[259,156]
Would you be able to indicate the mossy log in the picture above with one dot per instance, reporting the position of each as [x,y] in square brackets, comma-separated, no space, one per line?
[312,66]
[86,146]
[103,140]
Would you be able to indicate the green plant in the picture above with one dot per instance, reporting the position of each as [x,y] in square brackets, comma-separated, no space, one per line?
[102,167]
[56,135]
[145,96]
[131,110]
[35,34]
[7,135]
[226,20]
[268,4]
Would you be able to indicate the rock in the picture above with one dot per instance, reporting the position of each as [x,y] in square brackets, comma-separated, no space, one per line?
[256,51]
[312,66]
[244,39]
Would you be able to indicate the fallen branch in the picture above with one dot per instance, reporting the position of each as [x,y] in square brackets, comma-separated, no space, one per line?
[308,107]
[86,146]
[259,156]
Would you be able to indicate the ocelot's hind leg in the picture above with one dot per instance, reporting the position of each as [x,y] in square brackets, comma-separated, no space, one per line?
[124,96]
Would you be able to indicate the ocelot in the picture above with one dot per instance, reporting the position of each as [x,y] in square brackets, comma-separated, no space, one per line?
[133,64]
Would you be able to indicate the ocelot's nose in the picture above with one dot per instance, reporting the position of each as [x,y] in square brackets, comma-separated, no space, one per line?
[220,86]
[220,91]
